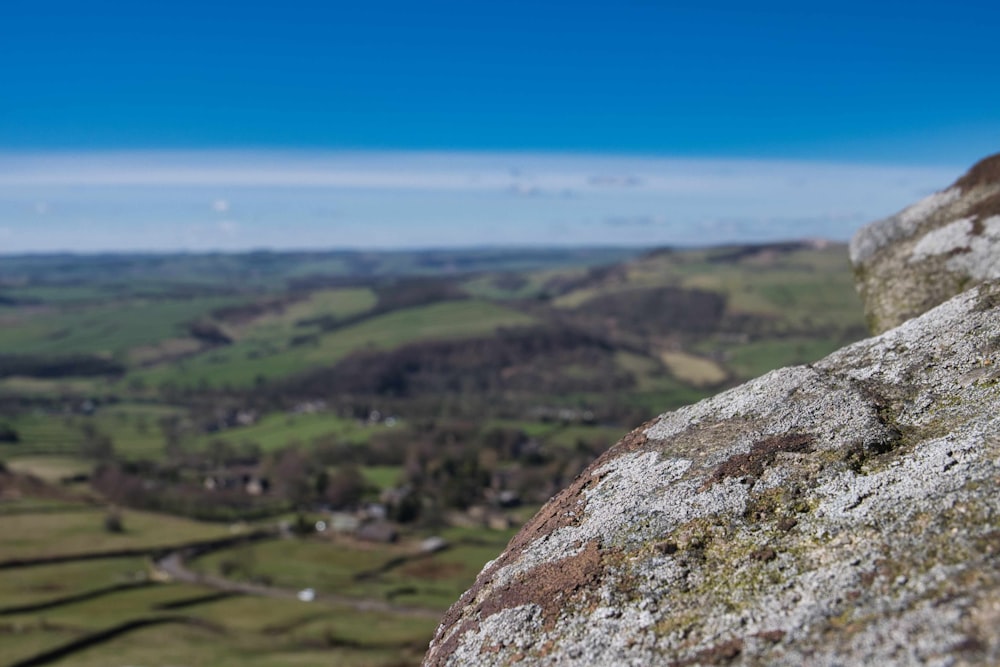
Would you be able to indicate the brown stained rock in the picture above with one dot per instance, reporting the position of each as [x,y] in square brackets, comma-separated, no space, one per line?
[773,636]
[985,207]
[550,586]
[720,654]
[786,523]
[762,453]
[438,655]
[984,172]
[666,548]
[764,554]
[973,644]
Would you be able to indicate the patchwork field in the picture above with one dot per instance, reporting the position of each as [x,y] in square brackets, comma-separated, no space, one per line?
[117,610]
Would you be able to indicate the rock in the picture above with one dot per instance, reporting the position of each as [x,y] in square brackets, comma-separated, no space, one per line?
[931,251]
[840,513]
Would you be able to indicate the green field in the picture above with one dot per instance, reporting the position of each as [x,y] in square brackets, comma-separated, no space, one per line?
[753,359]
[275,431]
[103,328]
[382,477]
[42,433]
[813,287]
[338,303]
[52,469]
[258,359]
[33,535]
[344,637]
[132,427]
[52,388]
[202,626]
[43,582]
[347,567]
[230,631]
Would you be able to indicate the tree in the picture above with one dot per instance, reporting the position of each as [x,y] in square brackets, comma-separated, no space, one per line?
[292,473]
[113,522]
[96,445]
[220,452]
[345,487]
[8,434]
[407,509]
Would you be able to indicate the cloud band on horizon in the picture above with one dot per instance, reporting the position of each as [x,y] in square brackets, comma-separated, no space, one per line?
[237,200]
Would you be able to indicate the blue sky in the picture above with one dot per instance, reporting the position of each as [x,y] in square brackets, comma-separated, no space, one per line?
[827,111]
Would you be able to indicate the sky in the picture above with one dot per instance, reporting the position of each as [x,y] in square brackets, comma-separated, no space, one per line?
[221,125]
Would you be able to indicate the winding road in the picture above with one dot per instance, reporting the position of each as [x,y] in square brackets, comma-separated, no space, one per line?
[173,565]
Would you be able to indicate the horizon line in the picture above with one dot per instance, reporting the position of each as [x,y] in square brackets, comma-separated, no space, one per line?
[805,241]
[421,170]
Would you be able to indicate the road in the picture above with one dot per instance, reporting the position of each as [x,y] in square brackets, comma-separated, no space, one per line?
[174,566]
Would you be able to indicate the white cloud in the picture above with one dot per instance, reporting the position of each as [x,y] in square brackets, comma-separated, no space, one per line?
[171,200]
[615,181]
[516,173]
[522,190]
[635,220]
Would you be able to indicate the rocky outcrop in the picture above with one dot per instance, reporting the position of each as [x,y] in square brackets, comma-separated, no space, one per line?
[841,513]
[931,251]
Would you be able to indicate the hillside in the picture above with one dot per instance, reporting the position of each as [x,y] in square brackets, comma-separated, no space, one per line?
[420,396]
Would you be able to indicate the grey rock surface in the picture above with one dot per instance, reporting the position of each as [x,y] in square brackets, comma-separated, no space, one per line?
[931,251]
[841,513]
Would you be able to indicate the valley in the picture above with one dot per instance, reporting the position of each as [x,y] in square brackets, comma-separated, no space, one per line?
[379,423]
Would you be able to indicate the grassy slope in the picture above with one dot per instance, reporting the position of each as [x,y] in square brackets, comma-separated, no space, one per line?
[133,428]
[803,284]
[50,468]
[103,328]
[235,630]
[333,566]
[51,388]
[278,430]
[33,584]
[756,358]
[345,637]
[241,364]
[805,290]
[32,535]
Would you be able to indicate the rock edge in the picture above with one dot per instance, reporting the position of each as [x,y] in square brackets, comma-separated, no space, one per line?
[844,512]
